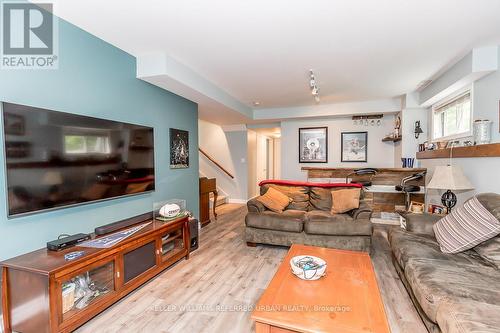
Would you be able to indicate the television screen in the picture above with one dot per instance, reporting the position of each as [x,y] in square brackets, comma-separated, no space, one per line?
[57,159]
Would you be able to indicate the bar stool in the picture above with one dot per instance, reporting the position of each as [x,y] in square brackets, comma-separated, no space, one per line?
[409,189]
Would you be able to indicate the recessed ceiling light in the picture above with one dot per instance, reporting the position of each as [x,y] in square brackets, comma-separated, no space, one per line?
[256,103]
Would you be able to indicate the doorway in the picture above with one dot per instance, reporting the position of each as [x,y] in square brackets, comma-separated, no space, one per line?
[264,157]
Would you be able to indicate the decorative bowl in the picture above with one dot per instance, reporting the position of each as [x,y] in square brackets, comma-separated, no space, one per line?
[308,267]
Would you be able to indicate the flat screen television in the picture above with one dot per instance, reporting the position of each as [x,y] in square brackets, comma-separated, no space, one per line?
[56,159]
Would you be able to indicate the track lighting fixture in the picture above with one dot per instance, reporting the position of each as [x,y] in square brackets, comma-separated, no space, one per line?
[313,86]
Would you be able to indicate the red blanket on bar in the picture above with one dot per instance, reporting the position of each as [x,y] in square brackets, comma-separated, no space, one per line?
[297,183]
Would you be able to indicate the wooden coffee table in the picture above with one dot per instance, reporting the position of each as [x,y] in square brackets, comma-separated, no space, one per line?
[346,300]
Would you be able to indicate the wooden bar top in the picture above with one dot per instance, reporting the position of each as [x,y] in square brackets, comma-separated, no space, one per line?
[48,262]
[384,176]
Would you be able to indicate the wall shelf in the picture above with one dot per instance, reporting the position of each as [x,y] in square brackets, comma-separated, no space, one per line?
[389,139]
[488,150]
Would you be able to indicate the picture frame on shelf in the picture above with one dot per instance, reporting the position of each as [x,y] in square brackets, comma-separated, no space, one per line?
[417,207]
[313,145]
[436,209]
[354,146]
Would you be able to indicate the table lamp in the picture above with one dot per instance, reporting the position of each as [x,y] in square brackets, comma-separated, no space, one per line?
[449,178]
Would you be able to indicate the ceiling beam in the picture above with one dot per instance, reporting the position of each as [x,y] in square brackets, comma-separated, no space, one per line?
[390,105]
[475,65]
[167,73]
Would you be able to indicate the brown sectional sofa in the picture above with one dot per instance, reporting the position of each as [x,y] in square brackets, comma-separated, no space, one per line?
[307,219]
[454,293]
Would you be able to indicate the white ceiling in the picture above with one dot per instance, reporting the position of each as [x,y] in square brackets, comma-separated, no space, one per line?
[261,50]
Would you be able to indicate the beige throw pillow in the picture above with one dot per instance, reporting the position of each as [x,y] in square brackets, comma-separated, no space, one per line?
[274,200]
[466,227]
[345,200]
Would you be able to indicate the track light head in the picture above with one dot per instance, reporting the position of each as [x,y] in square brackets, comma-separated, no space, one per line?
[313,86]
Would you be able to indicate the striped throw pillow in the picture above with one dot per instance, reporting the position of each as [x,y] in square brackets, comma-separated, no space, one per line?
[466,227]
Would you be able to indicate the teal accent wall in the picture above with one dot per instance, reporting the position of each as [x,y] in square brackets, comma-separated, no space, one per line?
[97,79]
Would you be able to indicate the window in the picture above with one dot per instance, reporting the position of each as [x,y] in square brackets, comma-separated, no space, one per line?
[453,118]
[86,144]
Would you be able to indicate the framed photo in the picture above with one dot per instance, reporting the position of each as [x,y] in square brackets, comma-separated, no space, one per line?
[313,145]
[436,209]
[14,124]
[179,149]
[354,146]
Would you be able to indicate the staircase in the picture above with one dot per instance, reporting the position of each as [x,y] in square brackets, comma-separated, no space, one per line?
[221,199]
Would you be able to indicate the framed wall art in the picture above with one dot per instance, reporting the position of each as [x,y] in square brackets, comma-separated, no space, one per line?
[179,149]
[313,145]
[354,146]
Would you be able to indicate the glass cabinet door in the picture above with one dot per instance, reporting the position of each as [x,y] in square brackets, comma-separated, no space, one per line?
[171,244]
[82,290]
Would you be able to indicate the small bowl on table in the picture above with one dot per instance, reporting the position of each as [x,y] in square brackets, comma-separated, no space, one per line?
[308,267]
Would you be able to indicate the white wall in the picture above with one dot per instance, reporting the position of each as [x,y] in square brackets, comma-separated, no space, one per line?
[257,161]
[380,154]
[261,159]
[229,149]
[485,101]
[409,144]
[252,163]
[482,172]
[277,158]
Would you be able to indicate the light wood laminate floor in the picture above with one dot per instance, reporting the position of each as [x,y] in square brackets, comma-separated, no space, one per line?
[212,290]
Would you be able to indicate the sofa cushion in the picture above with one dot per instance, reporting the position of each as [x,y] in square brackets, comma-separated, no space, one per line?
[490,201]
[321,197]
[407,246]
[466,316]
[345,200]
[434,281]
[466,227]
[298,194]
[320,222]
[274,200]
[490,251]
[290,220]
[421,223]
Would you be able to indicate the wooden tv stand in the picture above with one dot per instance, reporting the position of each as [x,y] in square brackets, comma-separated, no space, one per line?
[32,286]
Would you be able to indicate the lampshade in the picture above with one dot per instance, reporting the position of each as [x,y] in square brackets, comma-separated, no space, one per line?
[52,178]
[449,177]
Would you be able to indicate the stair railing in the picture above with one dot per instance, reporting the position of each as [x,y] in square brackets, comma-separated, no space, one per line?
[215,162]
